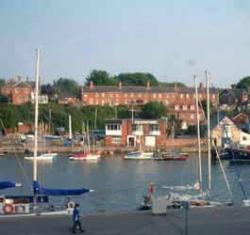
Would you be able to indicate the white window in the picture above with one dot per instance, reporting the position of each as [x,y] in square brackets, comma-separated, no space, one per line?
[154,127]
[154,95]
[132,95]
[176,107]
[137,127]
[192,107]
[187,95]
[181,96]
[192,116]
[159,95]
[184,107]
[116,140]
[113,127]
[103,94]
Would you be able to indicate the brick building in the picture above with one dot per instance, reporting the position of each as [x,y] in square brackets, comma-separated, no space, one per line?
[179,101]
[125,132]
[19,92]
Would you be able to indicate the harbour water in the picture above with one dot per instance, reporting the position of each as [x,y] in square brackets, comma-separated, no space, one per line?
[120,184]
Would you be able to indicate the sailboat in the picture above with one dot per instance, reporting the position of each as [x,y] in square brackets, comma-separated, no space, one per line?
[139,155]
[178,194]
[43,157]
[86,154]
[30,205]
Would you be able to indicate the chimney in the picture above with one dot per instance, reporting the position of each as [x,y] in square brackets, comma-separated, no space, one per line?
[120,85]
[201,85]
[148,85]
[91,85]
[175,87]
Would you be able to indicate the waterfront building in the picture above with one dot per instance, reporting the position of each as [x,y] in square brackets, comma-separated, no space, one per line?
[179,101]
[135,133]
[226,130]
[19,92]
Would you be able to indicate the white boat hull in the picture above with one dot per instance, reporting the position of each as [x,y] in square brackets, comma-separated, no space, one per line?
[89,157]
[46,156]
[139,156]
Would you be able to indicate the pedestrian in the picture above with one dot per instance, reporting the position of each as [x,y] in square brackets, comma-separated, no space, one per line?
[76,219]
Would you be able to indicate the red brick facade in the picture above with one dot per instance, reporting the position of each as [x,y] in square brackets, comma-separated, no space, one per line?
[148,133]
[18,94]
[180,101]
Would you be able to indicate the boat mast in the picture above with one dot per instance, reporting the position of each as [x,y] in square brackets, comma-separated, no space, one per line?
[198,133]
[36,113]
[49,121]
[70,128]
[208,133]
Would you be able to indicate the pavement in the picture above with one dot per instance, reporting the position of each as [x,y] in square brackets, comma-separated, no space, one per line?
[200,221]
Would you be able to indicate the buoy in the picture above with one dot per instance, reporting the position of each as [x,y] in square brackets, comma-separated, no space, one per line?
[8,209]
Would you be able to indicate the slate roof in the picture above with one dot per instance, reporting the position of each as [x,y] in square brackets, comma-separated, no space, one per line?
[135,89]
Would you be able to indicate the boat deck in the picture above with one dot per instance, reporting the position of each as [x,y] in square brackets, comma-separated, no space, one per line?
[215,221]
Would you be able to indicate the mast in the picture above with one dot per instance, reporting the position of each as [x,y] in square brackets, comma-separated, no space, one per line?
[208,133]
[70,128]
[36,113]
[198,133]
[95,117]
[49,121]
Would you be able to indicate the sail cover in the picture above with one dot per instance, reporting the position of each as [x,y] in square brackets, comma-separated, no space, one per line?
[57,192]
[7,184]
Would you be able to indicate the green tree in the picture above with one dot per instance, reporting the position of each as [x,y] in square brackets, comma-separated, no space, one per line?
[9,116]
[137,79]
[172,84]
[153,110]
[2,82]
[101,78]
[244,83]
[66,85]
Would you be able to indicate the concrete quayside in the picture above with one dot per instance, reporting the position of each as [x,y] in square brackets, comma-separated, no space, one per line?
[194,221]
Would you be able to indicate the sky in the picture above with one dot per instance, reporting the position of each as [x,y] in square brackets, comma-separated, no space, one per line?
[172,39]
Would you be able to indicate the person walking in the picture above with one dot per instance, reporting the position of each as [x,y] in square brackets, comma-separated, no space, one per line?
[76,219]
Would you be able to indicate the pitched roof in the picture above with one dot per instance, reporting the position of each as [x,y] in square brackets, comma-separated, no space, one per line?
[142,89]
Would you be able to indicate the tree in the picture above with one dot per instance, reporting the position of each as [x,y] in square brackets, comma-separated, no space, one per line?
[66,85]
[172,84]
[47,89]
[137,79]
[4,99]
[153,110]
[244,83]
[101,78]
[2,82]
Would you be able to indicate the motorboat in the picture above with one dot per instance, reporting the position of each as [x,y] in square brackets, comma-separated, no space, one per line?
[139,155]
[168,156]
[45,156]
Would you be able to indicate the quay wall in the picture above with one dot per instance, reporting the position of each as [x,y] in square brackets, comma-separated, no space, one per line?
[187,145]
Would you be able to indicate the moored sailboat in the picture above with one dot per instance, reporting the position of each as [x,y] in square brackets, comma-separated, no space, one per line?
[30,204]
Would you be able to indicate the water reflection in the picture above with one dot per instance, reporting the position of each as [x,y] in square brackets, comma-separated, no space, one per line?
[119,184]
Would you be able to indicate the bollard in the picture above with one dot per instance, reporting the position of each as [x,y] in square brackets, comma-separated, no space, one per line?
[185,205]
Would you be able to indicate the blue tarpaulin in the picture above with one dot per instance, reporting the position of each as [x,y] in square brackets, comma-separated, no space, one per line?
[38,190]
[7,184]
